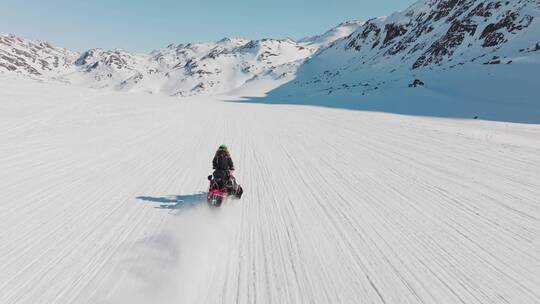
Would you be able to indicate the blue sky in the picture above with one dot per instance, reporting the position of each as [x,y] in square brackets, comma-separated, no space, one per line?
[142,26]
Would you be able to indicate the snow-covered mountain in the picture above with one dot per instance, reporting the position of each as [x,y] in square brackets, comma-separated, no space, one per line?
[192,69]
[354,57]
[429,37]
[36,58]
[340,31]
[177,70]
[182,70]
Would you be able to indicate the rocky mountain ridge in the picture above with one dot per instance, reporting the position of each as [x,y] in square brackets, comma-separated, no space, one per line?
[177,70]
[430,36]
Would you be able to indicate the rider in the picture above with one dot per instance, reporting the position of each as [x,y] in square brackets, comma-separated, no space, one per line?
[222,164]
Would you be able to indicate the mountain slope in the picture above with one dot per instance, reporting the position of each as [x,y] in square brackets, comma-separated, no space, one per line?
[182,70]
[430,37]
[213,68]
[342,30]
[35,58]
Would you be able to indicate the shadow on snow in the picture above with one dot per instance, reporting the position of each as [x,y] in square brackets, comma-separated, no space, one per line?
[504,94]
[176,201]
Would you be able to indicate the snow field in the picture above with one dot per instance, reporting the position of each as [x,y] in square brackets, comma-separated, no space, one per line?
[339,206]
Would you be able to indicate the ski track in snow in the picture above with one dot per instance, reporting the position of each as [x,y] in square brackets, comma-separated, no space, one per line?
[339,206]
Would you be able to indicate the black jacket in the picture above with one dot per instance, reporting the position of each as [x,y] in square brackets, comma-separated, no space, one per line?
[222,161]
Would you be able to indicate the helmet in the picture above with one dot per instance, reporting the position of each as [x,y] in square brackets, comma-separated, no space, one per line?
[223,147]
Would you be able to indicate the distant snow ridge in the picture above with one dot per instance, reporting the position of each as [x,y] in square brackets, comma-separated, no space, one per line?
[431,35]
[340,31]
[190,69]
[177,70]
[202,68]
[183,70]
[34,58]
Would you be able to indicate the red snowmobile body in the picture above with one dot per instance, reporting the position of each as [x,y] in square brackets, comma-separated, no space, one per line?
[220,189]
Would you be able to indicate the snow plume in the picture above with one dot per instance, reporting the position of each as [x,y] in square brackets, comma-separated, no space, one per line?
[174,265]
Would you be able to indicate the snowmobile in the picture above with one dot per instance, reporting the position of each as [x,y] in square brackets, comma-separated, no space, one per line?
[221,188]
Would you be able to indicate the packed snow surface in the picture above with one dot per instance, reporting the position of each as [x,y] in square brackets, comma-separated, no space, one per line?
[101,203]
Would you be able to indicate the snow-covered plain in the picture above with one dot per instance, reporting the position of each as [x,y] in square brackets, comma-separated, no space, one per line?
[101,203]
